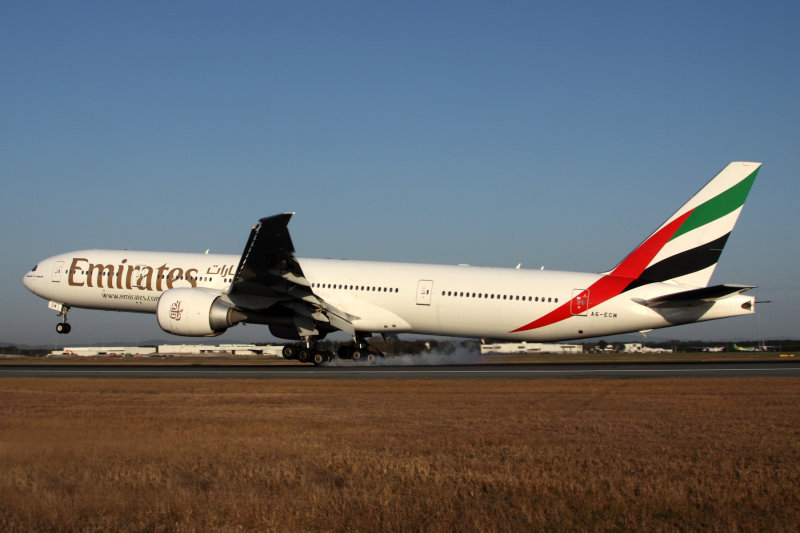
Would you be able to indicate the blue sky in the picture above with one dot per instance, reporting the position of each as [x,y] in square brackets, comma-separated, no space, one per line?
[453,132]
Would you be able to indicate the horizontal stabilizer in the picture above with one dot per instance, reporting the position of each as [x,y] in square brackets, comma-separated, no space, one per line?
[693,297]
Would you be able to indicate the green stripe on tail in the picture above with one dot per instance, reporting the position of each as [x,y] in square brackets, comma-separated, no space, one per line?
[719,206]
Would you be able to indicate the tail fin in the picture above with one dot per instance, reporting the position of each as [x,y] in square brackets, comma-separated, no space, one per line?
[685,249]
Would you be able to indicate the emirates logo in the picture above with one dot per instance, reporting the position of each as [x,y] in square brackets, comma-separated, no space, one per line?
[176,310]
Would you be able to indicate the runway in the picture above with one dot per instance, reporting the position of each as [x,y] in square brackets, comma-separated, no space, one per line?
[444,372]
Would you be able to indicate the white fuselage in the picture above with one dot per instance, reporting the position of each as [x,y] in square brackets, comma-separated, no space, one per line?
[462,301]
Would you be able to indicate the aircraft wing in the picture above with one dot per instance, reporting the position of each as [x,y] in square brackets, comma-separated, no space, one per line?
[270,282]
[694,297]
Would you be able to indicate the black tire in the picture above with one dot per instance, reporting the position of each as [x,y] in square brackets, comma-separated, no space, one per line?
[318,358]
[304,355]
[63,328]
[290,351]
[357,355]
[345,352]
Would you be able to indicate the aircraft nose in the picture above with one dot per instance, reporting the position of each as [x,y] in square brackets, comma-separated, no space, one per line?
[29,280]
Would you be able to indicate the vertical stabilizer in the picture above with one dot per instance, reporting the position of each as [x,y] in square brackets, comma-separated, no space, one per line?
[686,248]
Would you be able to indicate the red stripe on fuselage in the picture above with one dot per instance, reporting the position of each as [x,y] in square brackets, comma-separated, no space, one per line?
[615,282]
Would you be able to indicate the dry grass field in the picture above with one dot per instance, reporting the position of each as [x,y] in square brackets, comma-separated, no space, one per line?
[202,455]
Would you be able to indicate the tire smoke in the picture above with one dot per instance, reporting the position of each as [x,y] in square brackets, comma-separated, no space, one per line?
[428,358]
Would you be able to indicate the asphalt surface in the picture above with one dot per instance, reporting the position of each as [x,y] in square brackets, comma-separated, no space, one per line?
[440,372]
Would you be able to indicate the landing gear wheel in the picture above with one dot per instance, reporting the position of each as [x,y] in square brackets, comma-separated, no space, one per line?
[370,358]
[63,328]
[319,358]
[345,352]
[290,351]
[304,355]
[357,354]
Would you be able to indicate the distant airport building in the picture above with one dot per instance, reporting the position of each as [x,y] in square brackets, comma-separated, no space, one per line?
[172,349]
[529,348]
[638,347]
[232,349]
[94,351]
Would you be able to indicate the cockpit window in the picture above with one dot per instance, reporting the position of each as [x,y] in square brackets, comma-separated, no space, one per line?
[34,268]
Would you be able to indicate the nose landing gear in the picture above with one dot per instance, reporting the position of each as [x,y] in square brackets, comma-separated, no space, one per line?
[63,327]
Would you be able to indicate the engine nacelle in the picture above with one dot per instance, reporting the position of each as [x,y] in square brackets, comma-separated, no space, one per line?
[195,312]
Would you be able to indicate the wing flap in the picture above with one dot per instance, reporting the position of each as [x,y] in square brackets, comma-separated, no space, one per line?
[340,320]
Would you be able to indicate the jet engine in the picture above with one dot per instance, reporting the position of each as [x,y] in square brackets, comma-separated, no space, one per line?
[196,312]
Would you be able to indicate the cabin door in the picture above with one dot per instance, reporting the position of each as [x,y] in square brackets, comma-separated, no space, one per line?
[58,269]
[424,292]
[580,302]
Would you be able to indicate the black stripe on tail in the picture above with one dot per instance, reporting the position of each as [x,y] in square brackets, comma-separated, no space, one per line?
[683,263]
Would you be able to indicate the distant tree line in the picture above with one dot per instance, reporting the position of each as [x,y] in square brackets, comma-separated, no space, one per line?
[13,350]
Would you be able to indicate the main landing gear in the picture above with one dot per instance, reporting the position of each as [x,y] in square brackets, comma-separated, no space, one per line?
[305,352]
[63,327]
[360,352]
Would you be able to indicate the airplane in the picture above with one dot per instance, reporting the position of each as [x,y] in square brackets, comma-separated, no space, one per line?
[760,348]
[663,282]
